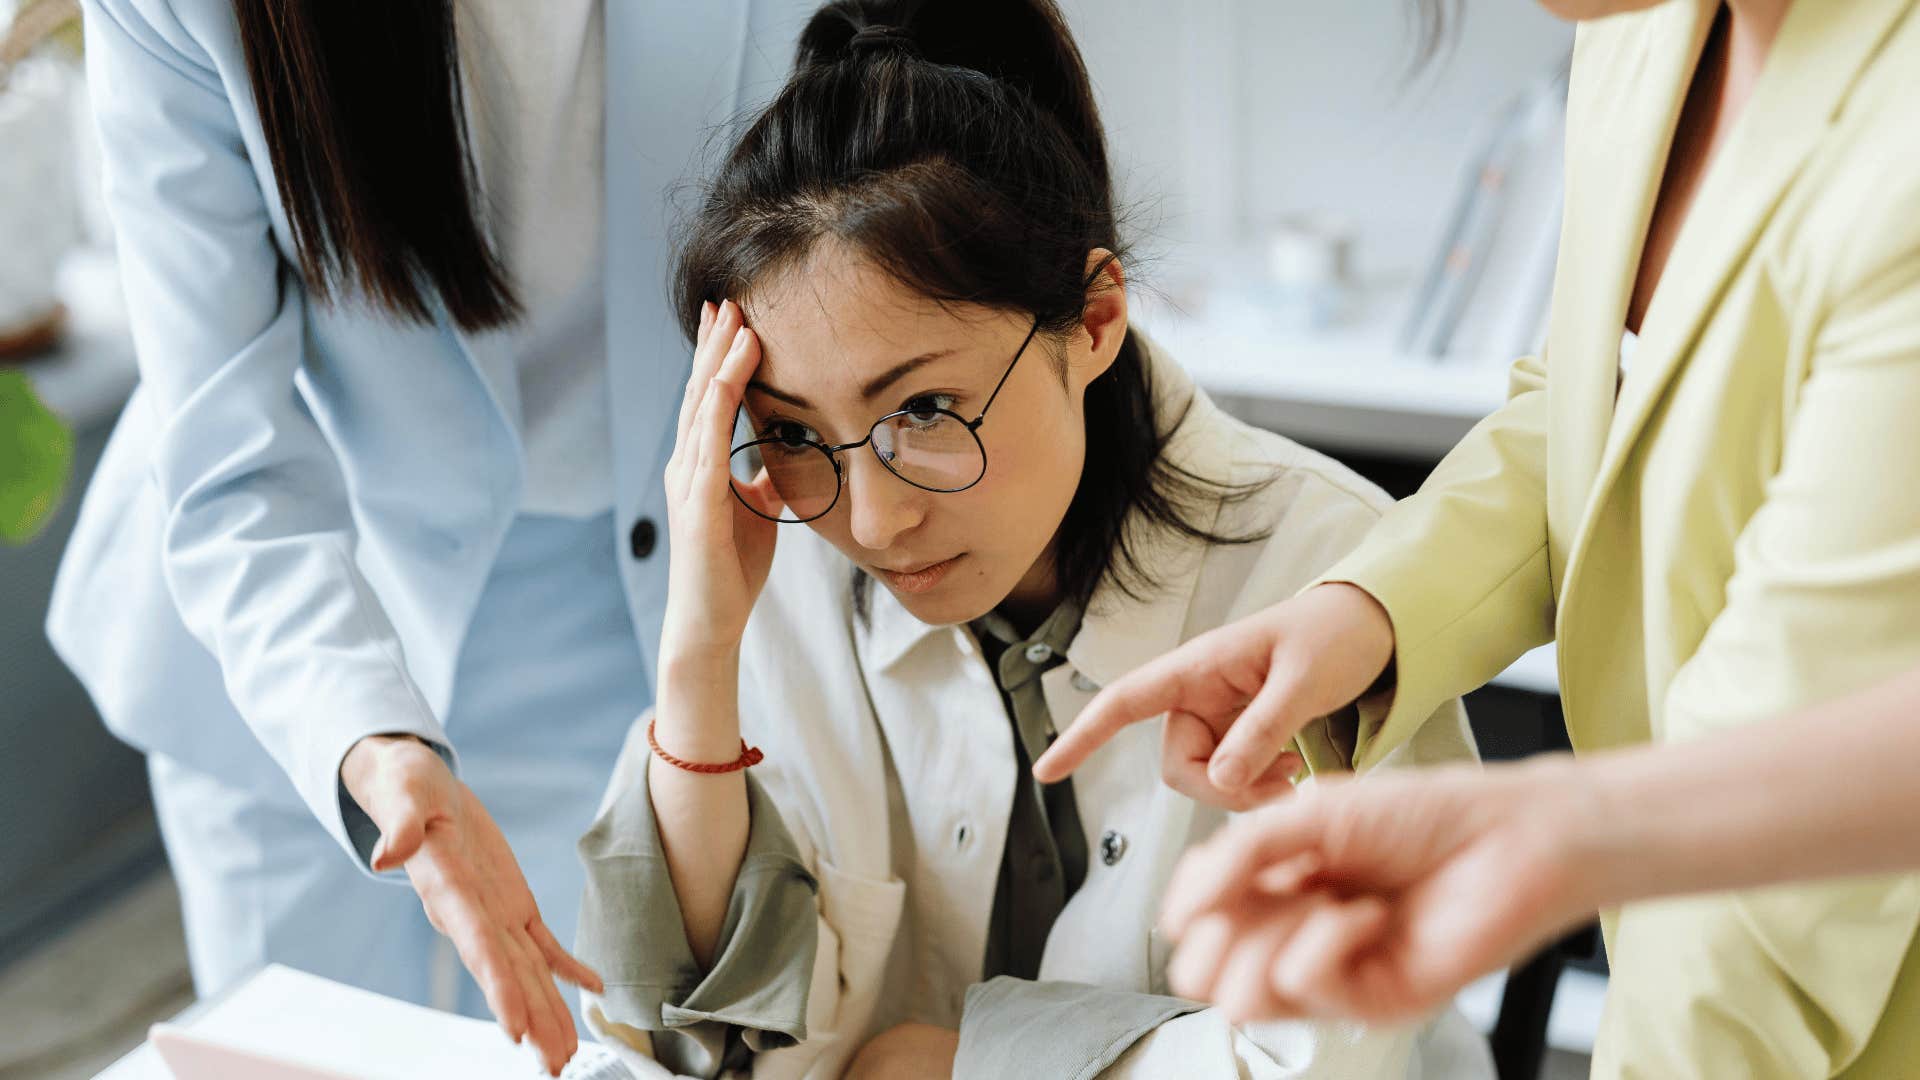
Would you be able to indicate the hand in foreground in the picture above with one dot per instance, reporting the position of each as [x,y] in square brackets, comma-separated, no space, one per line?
[1236,696]
[470,886]
[906,1052]
[1379,899]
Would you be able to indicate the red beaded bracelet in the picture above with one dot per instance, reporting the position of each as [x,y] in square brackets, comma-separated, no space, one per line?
[749,757]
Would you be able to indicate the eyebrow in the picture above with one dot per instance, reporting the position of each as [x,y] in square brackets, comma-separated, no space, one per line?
[875,386]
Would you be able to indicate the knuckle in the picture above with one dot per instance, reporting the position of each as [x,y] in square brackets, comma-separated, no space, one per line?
[1244,801]
[1183,783]
[1170,773]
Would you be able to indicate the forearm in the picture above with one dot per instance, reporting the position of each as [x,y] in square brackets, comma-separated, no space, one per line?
[1824,793]
[1461,567]
[634,927]
[702,817]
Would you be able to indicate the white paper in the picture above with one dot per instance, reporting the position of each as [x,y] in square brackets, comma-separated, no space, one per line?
[293,1016]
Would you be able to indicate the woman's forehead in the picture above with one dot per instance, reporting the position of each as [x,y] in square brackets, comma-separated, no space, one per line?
[843,300]
[855,365]
[837,327]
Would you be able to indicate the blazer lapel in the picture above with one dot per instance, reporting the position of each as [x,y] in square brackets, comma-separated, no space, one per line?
[1820,50]
[491,354]
[1624,105]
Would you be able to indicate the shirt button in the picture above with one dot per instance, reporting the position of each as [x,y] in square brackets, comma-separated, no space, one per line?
[1039,652]
[1112,847]
[1084,684]
[643,538]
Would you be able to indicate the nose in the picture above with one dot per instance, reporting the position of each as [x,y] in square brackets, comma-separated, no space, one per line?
[881,506]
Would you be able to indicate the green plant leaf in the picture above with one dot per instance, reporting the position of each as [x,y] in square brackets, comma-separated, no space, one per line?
[36,450]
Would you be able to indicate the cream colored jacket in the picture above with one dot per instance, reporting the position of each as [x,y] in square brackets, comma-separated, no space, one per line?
[890,759]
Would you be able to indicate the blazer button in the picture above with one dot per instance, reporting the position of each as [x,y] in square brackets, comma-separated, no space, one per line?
[642,539]
[1112,847]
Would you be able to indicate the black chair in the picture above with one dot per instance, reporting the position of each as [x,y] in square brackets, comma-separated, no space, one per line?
[1519,1038]
[1511,724]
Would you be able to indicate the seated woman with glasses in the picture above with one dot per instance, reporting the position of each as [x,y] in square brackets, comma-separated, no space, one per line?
[823,850]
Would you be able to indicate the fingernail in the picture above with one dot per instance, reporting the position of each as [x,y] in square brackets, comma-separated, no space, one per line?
[1230,773]
[739,339]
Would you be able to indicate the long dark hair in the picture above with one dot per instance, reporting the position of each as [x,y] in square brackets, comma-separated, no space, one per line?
[955,144]
[360,103]
[1436,24]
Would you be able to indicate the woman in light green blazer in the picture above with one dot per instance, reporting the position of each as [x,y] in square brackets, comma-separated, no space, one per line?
[1727,529]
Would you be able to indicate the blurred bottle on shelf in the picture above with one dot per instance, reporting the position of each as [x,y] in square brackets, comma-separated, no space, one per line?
[1309,273]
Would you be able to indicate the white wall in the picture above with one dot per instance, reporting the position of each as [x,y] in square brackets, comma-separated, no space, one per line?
[1227,115]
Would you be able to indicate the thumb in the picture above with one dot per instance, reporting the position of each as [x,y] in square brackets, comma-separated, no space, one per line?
[399,842]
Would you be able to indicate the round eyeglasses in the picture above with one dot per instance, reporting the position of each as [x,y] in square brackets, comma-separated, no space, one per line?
[930,448]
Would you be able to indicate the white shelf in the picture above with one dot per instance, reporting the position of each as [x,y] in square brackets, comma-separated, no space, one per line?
[1537,671]
[1346,386]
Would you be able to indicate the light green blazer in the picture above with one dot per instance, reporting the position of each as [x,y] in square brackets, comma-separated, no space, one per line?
[1735,534]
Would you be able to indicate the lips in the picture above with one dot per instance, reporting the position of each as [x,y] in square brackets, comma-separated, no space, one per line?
[918,579]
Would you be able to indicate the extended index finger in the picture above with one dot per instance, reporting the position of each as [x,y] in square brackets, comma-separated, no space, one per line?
[1141,695]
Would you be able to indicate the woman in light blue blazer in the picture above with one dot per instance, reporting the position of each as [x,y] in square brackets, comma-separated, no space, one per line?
[372,569]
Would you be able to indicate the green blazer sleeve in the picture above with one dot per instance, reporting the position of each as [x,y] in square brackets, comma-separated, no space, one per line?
[1461,567]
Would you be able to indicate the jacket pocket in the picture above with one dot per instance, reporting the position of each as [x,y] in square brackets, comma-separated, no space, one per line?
[859,917]
[864,914]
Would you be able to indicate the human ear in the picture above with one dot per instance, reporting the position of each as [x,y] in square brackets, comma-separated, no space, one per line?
[1103,320]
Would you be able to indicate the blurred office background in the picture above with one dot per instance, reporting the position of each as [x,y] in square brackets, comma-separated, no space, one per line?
[1342,245]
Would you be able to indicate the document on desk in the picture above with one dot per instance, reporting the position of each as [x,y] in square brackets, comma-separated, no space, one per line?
[290,1016]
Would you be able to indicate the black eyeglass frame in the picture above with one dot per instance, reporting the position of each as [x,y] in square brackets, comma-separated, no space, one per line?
[833,452]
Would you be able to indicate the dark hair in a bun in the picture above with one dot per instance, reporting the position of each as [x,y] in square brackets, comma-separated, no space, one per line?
[955,144]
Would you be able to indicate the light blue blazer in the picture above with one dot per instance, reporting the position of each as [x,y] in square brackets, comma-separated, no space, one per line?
[300,506]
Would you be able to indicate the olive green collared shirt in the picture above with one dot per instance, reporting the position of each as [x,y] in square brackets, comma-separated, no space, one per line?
[1045,858]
